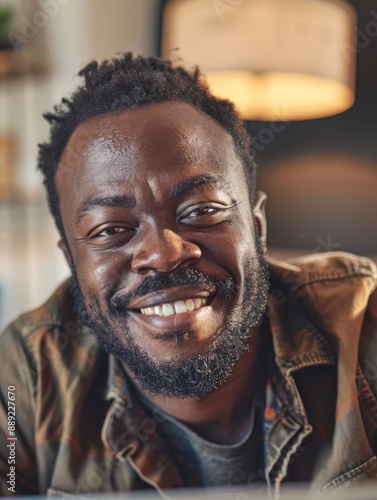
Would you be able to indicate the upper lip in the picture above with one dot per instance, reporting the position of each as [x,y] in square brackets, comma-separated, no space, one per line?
[171,295]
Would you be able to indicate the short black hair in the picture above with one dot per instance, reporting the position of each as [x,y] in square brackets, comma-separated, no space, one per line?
[125,82]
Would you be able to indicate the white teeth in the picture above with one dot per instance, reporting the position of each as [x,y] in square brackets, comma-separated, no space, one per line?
[158,310]
[190,304]
[197,303]
[180,306]
[167,309]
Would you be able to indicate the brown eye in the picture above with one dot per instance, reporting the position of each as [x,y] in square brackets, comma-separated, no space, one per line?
[110,231]
[201,211]
[203,216]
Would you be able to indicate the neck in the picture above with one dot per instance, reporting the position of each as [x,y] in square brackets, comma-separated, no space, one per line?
[224,415]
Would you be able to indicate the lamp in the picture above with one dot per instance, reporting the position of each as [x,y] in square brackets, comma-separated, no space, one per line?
[275,59]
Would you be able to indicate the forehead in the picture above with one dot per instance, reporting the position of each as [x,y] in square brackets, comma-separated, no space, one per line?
[165,139]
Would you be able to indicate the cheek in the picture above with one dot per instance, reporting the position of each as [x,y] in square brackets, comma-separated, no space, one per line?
[230,249]
[98,275]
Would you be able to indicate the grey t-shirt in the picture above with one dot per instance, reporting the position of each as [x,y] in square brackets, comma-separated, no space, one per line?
[205,463]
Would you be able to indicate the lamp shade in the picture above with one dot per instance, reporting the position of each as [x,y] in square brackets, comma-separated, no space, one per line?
[275,59]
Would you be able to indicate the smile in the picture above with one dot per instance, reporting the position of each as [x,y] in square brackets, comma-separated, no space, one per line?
[173,308]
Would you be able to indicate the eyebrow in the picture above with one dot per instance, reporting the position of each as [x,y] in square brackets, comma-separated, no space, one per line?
[130,202]
[186,186]
[105,201]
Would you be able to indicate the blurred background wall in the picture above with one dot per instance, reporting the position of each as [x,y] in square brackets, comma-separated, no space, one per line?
[320,175]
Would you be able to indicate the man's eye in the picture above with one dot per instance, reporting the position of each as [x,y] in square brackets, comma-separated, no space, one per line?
[201,211]
[111,236]
[203,216]
[110,231]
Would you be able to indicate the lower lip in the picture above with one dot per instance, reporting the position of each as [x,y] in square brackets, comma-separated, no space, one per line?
[182,321]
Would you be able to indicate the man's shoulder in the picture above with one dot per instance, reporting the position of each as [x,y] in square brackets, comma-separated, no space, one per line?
[296,275]
[54,322]
[330,295]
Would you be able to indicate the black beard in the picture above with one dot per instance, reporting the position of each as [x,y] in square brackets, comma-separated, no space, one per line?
[199,375]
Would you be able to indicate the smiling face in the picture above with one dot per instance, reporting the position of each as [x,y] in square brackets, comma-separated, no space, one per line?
[168,267]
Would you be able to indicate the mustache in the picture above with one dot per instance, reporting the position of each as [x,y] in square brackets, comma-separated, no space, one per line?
[224,287]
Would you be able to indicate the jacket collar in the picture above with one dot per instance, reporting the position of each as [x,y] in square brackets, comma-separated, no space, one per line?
[327,295]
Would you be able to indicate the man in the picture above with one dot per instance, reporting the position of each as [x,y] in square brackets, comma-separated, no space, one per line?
[165,362]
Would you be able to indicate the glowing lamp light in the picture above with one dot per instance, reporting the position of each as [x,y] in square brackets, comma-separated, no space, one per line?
[275,59]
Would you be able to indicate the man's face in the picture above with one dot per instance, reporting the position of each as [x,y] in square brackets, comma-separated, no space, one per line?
[168,268]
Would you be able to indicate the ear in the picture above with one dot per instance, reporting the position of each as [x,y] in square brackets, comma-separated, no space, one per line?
[67,253]
[260,215]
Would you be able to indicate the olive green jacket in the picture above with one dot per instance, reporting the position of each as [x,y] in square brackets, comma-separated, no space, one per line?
[80,430]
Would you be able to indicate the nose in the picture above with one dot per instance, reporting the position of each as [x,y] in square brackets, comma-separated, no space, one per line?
[164,251]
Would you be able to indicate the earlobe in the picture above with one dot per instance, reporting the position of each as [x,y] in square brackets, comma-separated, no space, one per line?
[259,213]
[66,252]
